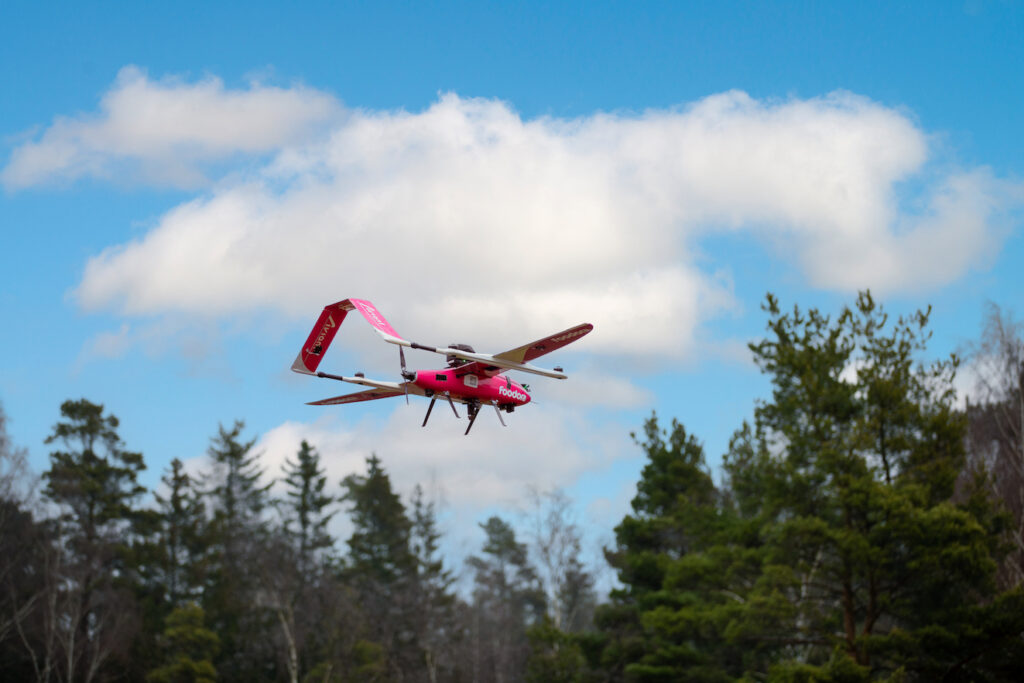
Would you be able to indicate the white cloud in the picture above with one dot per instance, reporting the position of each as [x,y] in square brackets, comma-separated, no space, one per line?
[597,386]
[492,467]
[109,344]
[467,220]
[468,477]
[165,130]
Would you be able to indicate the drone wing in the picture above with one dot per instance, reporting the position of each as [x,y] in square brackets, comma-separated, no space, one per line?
[312,352]
[527,352]
[370,395]
[326,328]
[509,360]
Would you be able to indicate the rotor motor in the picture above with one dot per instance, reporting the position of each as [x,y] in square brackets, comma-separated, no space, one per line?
[455,361]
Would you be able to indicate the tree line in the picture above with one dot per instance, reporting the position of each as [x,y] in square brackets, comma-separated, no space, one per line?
[864,526]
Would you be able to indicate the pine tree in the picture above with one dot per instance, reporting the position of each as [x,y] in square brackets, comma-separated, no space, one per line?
[305,506]
[672,557]
[868,566]
[189,648]
[238,497]
[437,631]
[94,481]
[507,600]
[238,536]
[382,568]
[293,576]
[835,549]
[181,536]
[856,508]
[379,544]
[168,554]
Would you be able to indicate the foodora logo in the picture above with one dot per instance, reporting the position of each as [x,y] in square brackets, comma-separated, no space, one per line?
[512,393]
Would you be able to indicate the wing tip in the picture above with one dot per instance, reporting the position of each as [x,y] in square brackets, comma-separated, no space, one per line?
[300,367]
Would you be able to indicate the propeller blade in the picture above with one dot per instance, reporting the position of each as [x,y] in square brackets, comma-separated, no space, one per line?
[498,411]
[429,408]
[406,375]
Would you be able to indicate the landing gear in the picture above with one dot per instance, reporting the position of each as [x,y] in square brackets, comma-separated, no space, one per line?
[473,408]
[433,398]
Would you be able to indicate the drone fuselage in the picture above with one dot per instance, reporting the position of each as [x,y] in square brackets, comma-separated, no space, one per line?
[500,390]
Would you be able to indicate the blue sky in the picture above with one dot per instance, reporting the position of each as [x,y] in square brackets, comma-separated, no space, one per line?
[184,187]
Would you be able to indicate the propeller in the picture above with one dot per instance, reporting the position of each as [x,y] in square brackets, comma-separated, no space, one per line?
[408,376]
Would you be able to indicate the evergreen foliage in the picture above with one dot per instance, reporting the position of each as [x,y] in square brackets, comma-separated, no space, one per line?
[181,536]
[305,506]
[238,534]
[382,567]
[434,615]
[189,648]
[862,527]
[94,480]
[507,600]
[379,544]
[834,550]
[295,579]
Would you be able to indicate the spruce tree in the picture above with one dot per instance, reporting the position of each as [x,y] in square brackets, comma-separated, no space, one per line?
[672,557]
[238,533]
[189,648]
[382,568]
[507,600]
[379,544]
[305,506]
[294,579]
[434,613]
[182,535]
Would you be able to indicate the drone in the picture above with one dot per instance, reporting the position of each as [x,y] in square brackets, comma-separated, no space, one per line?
[471,378]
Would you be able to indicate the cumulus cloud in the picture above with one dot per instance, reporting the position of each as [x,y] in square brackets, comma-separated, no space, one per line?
[471,474]
[165,130]
[467,477]
[595,386]
[470,221]
[507,228]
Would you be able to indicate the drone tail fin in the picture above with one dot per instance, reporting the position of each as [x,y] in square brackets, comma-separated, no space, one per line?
[327,326]
[376,319]
[320,338]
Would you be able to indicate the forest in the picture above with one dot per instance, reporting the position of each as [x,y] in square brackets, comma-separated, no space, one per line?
[864,525]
